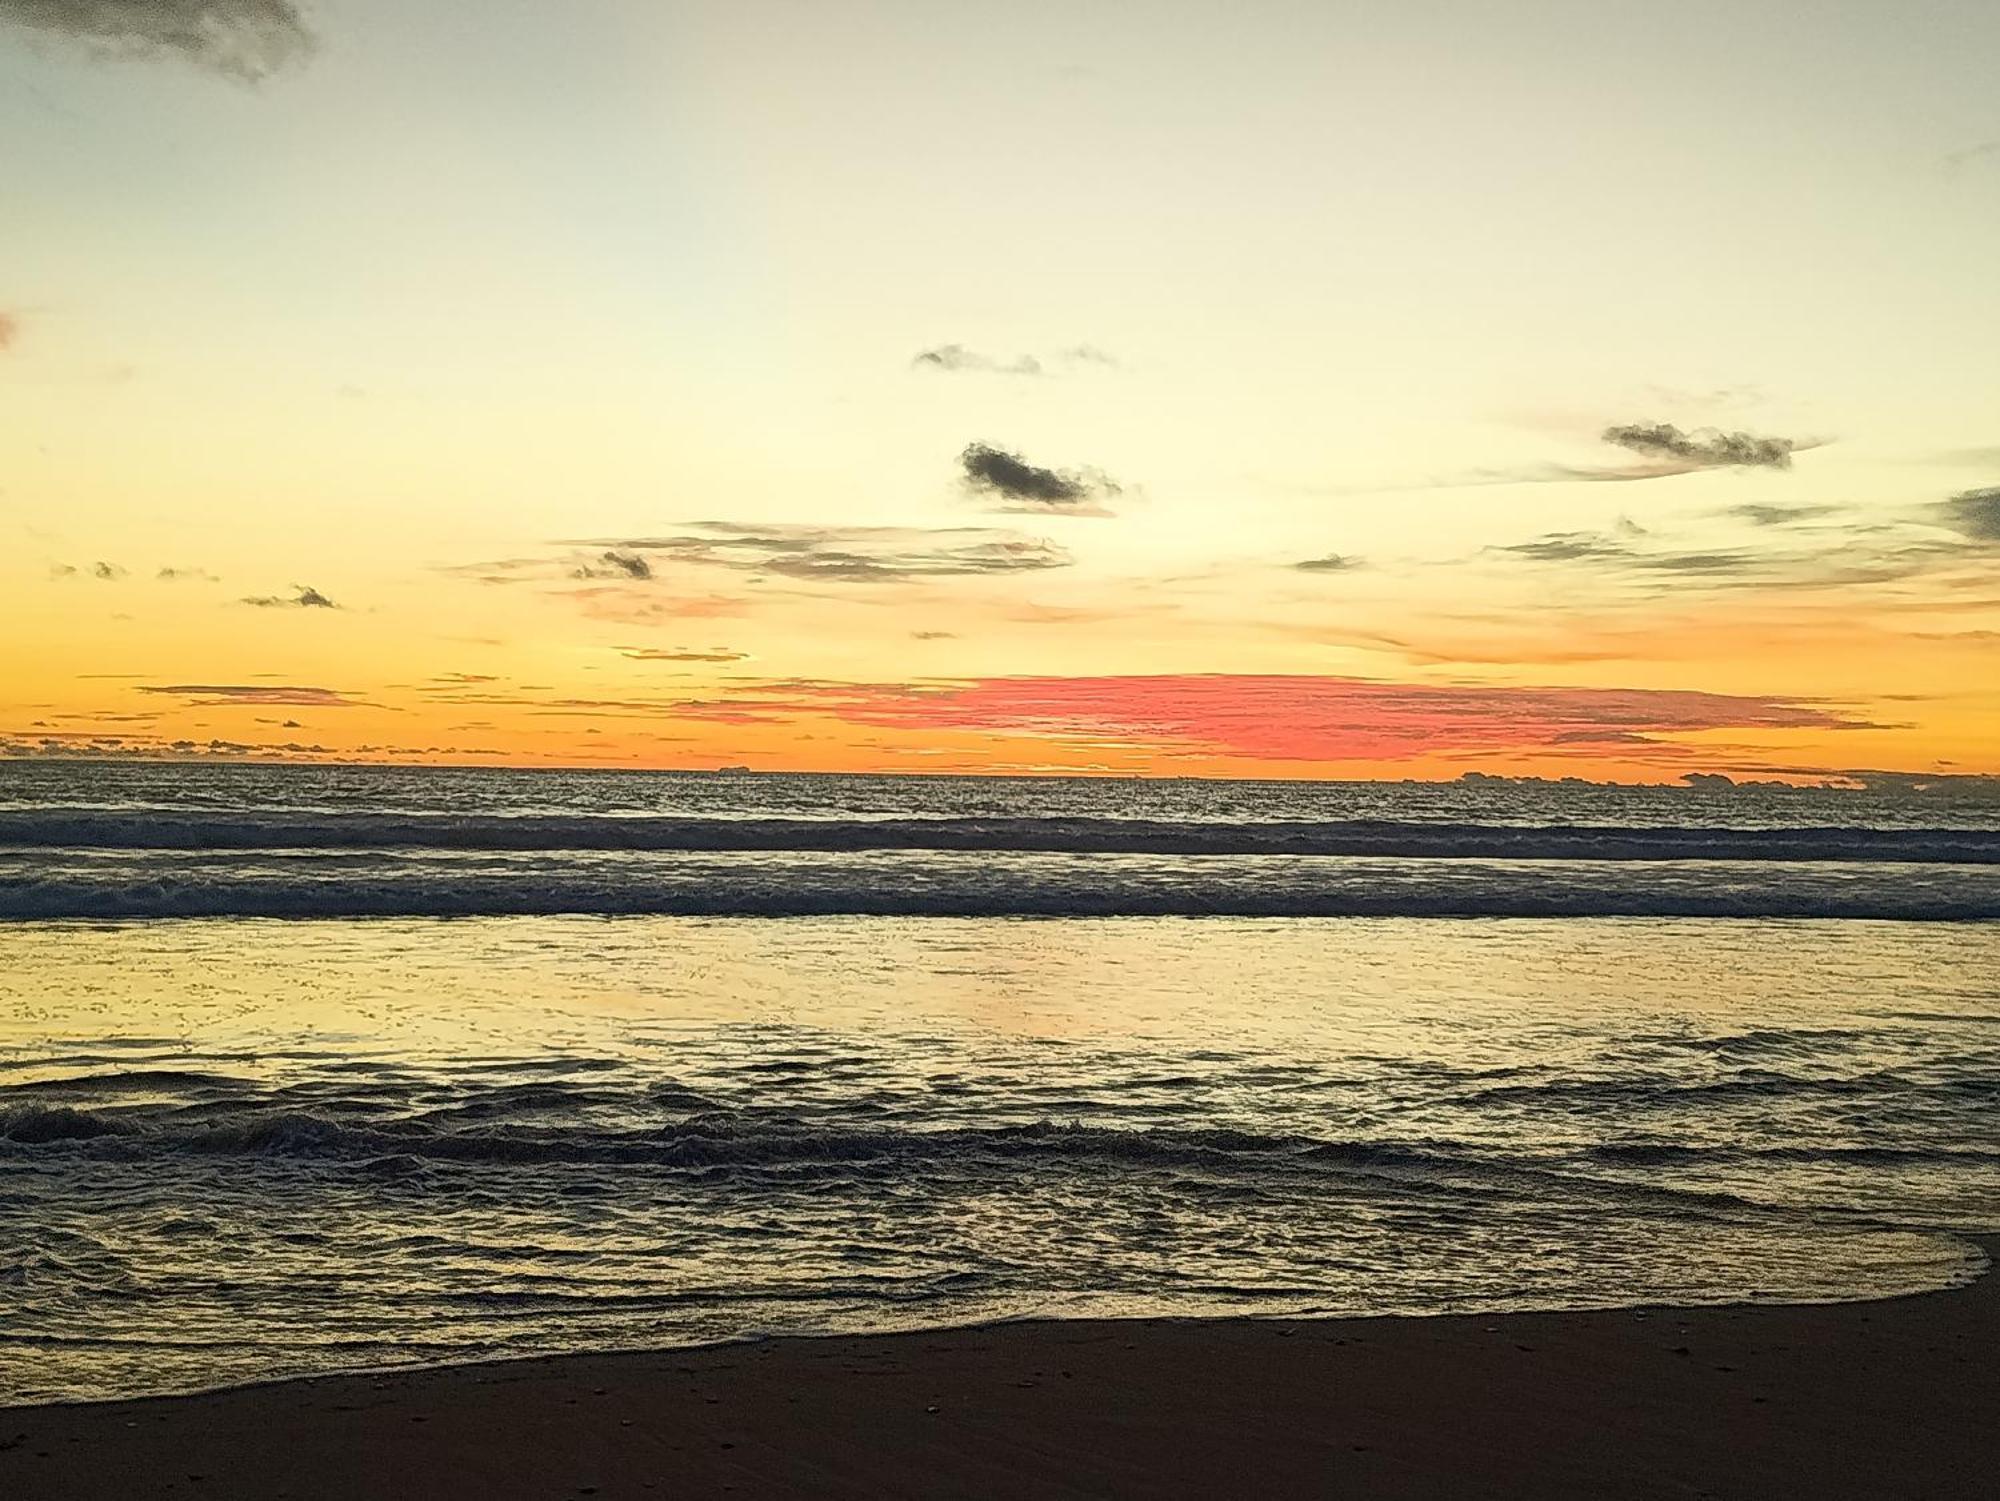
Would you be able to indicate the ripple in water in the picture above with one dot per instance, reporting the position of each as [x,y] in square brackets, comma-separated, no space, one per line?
[233,1149]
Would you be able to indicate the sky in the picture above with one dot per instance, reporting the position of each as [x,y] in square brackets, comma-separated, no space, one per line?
[1286,388]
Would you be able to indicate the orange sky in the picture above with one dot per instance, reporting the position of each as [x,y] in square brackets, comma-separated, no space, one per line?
[917,389]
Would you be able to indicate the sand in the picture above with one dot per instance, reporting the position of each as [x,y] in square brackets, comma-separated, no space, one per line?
[1888,1399]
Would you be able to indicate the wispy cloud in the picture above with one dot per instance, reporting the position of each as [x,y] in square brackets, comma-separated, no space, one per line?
[222,695]
[26,744]
[1856,552]
[1090,354]
[957,359]
[1666,451]
[1980,154]
[647,604]
[682,654]
[101,570]
[302,597]
[1333,562]
[1772,515]
[1983,638]
[1568,547]
[244,39]
[1022,487]
[846,554]
[1844,562]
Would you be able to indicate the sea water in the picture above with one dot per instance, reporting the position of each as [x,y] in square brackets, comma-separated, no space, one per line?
[304,1069]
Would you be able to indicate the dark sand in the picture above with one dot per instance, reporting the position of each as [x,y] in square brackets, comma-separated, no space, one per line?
[1877,1400]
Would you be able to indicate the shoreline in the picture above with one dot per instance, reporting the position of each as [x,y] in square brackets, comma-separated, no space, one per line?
[1983,1261]
[1876,1398]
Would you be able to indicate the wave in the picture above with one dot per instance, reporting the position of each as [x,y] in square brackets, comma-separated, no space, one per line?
[182,830]
[655,1118]
[709,1140]
[756,1148]
[1674,1154]
[759,1143]
[890,884]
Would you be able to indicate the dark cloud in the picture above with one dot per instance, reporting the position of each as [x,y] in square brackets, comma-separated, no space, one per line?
[682,654]
[245,39]
[933,635]
[181,575]
[1769,515]
[219,695]
[1975,513]
[1703,449]
[1025,487]
[1333,562]
[108,572]
[614,564]
[850,554]
[1011,476]
[303,597]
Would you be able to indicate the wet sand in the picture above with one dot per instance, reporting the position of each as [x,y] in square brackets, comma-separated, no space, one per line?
[1879,1400]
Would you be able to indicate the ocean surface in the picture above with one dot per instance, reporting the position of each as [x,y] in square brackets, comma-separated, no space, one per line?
[304,1069]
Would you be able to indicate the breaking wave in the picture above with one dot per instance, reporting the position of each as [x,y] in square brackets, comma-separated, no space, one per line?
[114,884]
[196,830]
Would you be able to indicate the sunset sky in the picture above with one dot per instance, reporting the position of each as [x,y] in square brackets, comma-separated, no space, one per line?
[1576,387]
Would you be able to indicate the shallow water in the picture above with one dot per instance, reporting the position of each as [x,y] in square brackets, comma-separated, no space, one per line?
[235,1148]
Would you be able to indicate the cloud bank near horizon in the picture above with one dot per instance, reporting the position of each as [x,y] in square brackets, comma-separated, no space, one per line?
[1278,717]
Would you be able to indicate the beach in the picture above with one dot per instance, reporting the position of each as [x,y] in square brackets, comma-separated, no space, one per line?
[1893,1398]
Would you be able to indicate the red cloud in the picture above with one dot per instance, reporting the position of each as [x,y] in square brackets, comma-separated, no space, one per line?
[1277,718]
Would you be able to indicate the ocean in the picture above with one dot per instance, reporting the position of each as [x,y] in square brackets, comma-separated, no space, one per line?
[311,1068]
